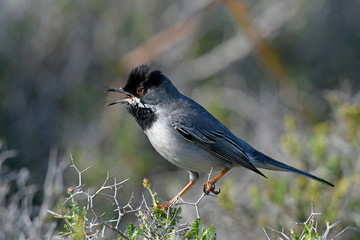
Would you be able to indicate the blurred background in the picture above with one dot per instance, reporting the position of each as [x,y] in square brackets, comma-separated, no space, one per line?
[283,75]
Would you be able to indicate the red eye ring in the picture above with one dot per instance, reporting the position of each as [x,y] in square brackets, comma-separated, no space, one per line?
[140,90]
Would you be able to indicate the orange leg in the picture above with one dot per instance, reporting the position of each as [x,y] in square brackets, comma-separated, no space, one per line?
[187,187]
[209,186]
[193,177]
[166,206]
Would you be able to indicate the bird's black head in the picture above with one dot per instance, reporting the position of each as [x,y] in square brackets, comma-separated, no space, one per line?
[145,91]
[141,79]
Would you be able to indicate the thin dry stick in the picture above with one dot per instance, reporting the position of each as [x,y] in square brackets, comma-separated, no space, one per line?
[107,225]
[79,190]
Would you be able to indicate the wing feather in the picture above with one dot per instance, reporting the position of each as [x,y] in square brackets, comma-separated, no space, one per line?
[217,142]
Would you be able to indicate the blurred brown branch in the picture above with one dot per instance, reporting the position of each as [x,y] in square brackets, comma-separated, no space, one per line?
[270,59]
[238,47]
[165,39]
[159,43]
[266,53]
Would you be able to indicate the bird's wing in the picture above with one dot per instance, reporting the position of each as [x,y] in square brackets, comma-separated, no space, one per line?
[216,141]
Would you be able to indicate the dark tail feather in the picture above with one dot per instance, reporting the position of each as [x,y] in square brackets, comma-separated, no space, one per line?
[263,161]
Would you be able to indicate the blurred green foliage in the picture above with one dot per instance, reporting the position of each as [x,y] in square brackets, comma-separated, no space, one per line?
[333,146]
[227,199]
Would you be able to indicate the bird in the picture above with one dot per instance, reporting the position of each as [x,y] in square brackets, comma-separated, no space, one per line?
[186,134]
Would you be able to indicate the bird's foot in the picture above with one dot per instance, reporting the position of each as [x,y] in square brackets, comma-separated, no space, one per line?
[209,186]
[164,207]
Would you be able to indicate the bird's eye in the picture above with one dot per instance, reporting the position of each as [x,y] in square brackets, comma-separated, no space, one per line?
[140,90]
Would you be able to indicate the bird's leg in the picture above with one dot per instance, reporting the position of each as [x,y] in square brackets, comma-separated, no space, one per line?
[209,186]
[193,177]
[187,187]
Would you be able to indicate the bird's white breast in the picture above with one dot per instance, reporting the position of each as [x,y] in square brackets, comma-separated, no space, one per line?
[179,151]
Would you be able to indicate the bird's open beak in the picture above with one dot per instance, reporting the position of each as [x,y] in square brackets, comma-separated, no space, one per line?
[123,100]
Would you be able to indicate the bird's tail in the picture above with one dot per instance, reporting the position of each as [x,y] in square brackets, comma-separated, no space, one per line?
[260,160]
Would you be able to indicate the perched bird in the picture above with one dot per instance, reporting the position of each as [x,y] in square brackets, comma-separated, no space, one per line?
[187,135]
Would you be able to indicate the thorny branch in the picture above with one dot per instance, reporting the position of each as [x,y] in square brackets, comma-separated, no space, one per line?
[310,221]
[108,225]
[146,215]
[92,223]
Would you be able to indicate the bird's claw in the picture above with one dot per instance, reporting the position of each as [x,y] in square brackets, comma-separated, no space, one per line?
[209,186]
[164,207]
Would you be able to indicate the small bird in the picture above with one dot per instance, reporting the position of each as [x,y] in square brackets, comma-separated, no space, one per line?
[187,135]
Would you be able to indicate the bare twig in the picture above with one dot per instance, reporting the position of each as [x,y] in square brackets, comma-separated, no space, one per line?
[313,225]
[91,224]
[107,225]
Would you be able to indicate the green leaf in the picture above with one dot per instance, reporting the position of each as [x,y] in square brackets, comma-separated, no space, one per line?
[208,234]
[294,235]
[130,229]
[195,228]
